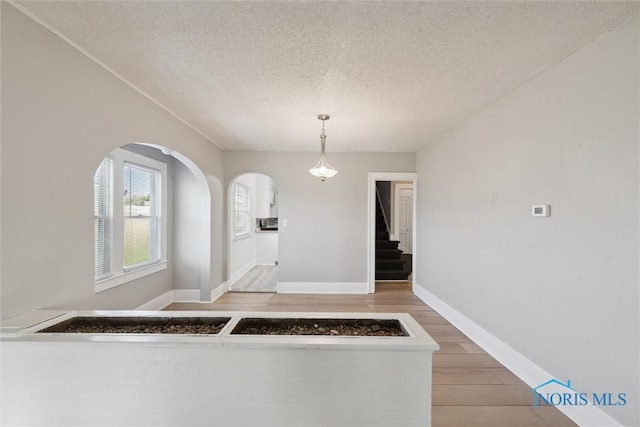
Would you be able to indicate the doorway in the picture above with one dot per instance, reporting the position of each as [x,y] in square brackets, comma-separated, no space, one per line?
[194,233]
[253,234]
[403,215]
[390,249]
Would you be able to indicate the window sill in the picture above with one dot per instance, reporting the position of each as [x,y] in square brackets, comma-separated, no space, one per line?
[129,276]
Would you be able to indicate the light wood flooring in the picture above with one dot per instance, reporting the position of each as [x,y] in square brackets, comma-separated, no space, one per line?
[261,278]
[470,388]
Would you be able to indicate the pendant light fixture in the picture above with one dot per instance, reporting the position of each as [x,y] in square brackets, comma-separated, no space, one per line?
[323,169]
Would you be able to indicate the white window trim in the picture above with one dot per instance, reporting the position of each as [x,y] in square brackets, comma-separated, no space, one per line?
[243,236]
[120,275]
[247,233]
[129,276]
[109,202]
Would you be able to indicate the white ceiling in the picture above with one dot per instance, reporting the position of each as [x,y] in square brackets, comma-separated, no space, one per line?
[254,75]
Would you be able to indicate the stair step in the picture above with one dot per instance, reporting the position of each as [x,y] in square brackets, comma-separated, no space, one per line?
[391,275]
[390,264]
[382,235]
[388,254]
[387,244]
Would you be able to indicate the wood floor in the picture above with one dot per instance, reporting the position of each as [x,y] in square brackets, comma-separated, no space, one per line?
[470,388]
[261,278]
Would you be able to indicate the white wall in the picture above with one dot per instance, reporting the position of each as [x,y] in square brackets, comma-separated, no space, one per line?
[326,236]
[188,222]
[562,291]
[266,248]
[262,208]
[61,114]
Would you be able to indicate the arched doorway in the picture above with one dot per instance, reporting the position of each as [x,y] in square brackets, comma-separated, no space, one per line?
[153,216]
[253,233]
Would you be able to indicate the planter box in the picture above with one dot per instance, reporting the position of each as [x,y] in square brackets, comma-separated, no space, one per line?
[222,379]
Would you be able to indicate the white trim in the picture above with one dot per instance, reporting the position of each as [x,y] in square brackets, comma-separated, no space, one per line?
[243,236]
[371,221]
[527,370]
[122,157]
[225,286]
[238,274]
[27,12]
[186,295]
[129,276]
[181,295]
[218,292]
[322,288]
[246,233]
[121,274]
[158,303]
[396,210]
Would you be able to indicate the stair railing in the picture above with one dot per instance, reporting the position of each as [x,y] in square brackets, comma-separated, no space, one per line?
[384,215]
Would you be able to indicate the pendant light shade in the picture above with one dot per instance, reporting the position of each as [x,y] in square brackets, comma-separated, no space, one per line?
[323,169]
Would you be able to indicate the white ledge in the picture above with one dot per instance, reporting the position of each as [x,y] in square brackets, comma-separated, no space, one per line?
[129,276]
[417,338]
[146,379]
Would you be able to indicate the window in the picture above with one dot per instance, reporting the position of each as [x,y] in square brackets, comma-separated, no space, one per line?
[242,211]
[140,209]
[103,218]
[131,244]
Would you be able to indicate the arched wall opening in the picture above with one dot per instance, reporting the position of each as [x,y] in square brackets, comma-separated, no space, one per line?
[252,262]
[188,258]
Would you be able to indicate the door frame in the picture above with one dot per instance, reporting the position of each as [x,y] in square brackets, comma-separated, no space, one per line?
[396,209]
[371,220]
[232,278]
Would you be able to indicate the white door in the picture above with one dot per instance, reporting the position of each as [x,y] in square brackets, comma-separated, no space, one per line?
[404,210]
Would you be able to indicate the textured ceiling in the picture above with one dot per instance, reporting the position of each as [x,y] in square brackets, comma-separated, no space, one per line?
[254,75]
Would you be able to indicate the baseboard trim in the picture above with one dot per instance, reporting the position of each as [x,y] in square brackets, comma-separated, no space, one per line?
[516,362]
[181,295]
[238,274]
[322,288]
[158,303]
[218,292]
[186,295]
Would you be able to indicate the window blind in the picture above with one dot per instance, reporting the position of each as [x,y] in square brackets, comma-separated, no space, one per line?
[103,219]
[141,215]
[242,210]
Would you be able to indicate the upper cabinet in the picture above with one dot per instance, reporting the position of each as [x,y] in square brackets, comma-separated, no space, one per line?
[266,197]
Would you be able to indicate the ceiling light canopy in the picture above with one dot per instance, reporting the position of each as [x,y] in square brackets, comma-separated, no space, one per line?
[323,169]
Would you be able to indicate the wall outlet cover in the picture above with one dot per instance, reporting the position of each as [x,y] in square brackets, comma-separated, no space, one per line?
[541,210]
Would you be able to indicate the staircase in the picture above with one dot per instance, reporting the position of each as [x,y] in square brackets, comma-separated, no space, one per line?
[389,262]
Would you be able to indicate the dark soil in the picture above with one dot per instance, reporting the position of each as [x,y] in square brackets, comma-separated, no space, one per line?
[335,327]
[213,326]
[140,325]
